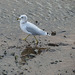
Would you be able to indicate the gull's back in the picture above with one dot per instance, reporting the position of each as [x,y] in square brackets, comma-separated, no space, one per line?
[34,30]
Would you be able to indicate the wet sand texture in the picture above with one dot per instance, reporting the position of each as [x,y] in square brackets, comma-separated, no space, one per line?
[54,55]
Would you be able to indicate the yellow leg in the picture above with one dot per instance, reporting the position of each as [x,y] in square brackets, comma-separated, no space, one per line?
[26,38]
[36,40]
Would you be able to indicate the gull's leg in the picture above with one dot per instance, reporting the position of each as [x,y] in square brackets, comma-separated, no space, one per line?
[26,38]
[36,40]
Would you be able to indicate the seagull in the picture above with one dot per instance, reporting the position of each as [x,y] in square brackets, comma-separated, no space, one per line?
[30,28]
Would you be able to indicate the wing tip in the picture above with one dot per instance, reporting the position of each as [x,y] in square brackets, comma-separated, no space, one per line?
[48,34]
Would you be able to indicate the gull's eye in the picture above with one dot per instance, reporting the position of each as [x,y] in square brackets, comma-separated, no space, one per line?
[21,17]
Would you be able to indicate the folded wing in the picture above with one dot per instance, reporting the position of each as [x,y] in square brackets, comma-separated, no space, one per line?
[36,31]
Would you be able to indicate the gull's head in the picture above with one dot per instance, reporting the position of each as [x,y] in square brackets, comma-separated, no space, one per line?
[22,18]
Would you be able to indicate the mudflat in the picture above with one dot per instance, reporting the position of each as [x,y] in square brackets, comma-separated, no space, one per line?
[54,55]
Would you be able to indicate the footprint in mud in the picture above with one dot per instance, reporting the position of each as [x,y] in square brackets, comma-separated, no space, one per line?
[30,52]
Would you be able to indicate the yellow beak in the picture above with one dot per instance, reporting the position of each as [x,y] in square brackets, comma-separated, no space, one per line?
[18,18]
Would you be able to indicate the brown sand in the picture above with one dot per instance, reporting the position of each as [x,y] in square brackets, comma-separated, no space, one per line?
[51,15]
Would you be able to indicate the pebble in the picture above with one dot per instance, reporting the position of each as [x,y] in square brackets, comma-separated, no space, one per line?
[55,62]
[31,55]
[53,33]
[73,71]
[13,53]
[52,44]
[11,47]
[36,51]
[1,56]
[52,50]
[5,53]
[63,44]
[73,47]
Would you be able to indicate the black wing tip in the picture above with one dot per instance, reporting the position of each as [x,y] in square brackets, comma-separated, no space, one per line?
[48,34]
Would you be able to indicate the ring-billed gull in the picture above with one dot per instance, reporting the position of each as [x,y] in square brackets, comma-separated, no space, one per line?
[30,28]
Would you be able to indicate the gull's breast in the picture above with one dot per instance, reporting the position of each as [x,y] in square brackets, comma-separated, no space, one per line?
[23,28]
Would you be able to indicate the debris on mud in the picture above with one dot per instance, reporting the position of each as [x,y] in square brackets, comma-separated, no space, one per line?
[31,52]
[53,33]
[57,44]
[52,44]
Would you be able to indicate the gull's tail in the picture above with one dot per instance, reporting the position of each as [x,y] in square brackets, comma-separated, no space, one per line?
[48,34]
[44,33]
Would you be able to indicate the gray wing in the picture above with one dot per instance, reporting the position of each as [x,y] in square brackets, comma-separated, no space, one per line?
[35,31]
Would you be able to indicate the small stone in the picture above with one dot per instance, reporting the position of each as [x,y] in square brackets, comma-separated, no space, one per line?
[66,71]
[36,21]
[5,41]
[56,61]
[73,47]
[58,70]
[52,50]
[1,56]
[36,51]
[53,33]
[52,62]
[4,72]
[64,36]
[31,55]
[21,73]
[16,57]
[73,71]
[52,44]
[63,31]
[45,39]
[63,44]
[60,60]
[13,53]
[5,52]
[11,47]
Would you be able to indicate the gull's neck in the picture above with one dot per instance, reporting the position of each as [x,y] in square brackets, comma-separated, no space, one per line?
[23,21]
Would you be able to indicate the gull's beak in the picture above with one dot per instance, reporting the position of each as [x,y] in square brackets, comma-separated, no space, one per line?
[18,18]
